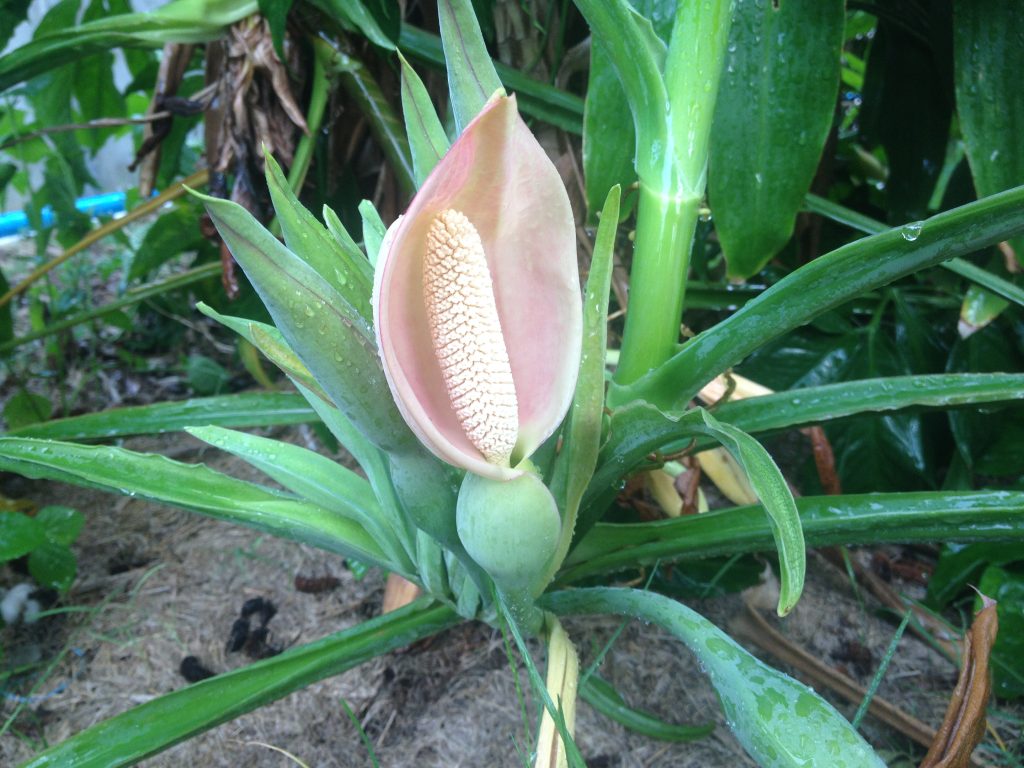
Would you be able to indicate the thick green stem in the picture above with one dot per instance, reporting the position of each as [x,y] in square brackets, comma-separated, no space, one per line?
[664,236]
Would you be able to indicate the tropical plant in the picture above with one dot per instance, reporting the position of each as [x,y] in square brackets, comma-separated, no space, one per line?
[455,361]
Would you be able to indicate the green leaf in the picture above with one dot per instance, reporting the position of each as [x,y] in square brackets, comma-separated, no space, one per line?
[536,99]
[61,524]
[427,140]
[190,486]
[813,405]
[987,52]
[472,79]
[245,409]
[575,463]
[276,14]
[316,479]
[370,17]
[183,21]
[25,408]
[206,376]
[1006,587]
[780,722]
[600,694]
[19,534]
[825,283]
[774,113]
[908,102]
[631,52]
[608,139]
[871,518]
[344,268]
[172,234]
[961,564]
[53,565]
[164,721]
[12,13]
[373,230]
[639,429]
[333,340]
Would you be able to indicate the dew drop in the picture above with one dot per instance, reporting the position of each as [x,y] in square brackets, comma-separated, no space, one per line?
[911,231]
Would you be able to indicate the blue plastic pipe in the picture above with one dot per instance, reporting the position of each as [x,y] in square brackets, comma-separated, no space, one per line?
[94,205]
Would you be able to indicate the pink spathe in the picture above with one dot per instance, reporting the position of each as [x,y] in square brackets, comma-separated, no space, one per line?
[498,176]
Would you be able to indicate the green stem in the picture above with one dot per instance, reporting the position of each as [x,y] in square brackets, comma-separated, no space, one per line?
[314,117]
[664,237]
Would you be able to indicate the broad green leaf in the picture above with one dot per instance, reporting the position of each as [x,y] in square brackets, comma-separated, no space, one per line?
[631,52]
[600,694]
[871,518]
[536,99]
[472,79]
[164,721]
[53,565]
[206,376]
[60,524]
[181,21]
[19,534]
[175,232]
[373,230]
[427,140]
[332,339]
[25,408]
[960,565]
[988,51]
[194,487]
[344,269]
[245,409]
[774,112]
[609,139]
[780,722]
[315,478]
[824,284]
[1005,585]
[908,102]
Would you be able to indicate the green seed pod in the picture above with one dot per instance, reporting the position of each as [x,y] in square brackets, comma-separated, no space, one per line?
[510,527]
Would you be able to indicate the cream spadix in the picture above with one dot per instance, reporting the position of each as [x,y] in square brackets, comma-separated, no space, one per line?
[484,260]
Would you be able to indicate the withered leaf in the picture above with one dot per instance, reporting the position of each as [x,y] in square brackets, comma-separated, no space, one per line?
[964,724]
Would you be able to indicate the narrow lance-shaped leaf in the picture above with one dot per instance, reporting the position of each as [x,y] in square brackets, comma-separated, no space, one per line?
[823,284]
[244,409]
[314,478]
[582,436]
[344,269]
[331,338]
[471,76]
[780,722]
[427,139]
[774,112]
[191,486]
[826,521]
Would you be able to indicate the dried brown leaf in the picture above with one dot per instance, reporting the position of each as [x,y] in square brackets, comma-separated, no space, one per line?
[964,724]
